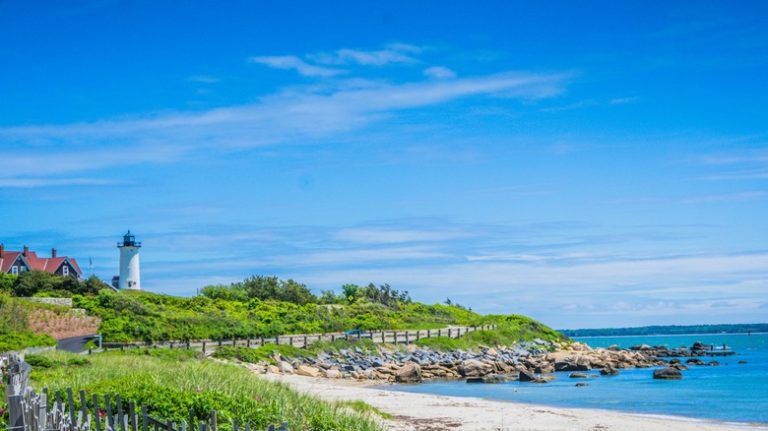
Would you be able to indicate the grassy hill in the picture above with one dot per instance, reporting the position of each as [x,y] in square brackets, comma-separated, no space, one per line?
[266,306]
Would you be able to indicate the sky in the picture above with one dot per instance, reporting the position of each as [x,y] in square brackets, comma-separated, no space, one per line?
[589,164]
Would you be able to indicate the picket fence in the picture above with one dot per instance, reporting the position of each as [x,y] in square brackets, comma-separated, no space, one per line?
[30,411]
[306,340]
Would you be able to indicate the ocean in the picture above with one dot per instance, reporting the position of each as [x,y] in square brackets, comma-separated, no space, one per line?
[730,392]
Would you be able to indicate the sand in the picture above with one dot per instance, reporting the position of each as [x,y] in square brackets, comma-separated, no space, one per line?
[424,412]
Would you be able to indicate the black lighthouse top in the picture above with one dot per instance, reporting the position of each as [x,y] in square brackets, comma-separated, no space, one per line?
[129,240]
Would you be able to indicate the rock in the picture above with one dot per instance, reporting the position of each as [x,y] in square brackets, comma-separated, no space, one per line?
[492,352]
[526,376]
[306,370]
[680,367]
[491,378]
[578,376]
[333,374]
[742,362]
[544,379]
[581,384]
[667,373]
[285,367]
[609,371]
[614,347]
[408,373]
[694,361]
[273,369]
[713,363]
[474,368]
[544,368]
[674,361]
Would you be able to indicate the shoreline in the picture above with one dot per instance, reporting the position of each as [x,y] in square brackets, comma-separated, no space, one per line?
[428,412]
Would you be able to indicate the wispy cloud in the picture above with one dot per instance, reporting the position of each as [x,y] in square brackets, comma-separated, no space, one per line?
[203,79]
[292,62]
[393,53]
[292,116]
[439,72]
[27,183]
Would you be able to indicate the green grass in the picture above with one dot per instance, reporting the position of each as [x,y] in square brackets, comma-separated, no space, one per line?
[510,330]
[170,386]
[258,354]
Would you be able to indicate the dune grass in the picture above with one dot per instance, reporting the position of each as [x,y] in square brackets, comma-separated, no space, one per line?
[173,383]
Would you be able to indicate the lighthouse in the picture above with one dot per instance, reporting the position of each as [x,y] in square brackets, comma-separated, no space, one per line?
[129,263]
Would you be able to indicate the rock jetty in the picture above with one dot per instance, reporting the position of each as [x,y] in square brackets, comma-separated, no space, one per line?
[534,362]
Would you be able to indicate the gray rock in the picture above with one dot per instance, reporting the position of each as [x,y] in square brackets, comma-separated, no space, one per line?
[667,373]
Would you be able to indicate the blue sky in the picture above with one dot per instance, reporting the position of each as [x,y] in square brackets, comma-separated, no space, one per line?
[589,164]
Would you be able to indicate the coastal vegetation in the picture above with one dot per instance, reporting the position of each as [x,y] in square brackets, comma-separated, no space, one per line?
[262,306]
[173,383]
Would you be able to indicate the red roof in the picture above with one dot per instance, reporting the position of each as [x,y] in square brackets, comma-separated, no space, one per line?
[47,264]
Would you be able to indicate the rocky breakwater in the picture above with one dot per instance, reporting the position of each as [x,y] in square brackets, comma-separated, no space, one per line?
[527,361]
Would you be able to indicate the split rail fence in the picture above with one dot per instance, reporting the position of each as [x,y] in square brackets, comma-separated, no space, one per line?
[30,411]
[306,340]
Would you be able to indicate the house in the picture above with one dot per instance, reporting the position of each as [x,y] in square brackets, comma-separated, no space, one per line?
[16,262]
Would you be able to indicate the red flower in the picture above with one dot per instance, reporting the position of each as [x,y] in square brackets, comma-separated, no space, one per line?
[102,413]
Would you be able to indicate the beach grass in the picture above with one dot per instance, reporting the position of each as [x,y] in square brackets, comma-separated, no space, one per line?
[173,383]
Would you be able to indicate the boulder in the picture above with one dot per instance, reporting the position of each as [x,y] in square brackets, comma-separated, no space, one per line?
[526,376]
[474,368]
[742,362]
[285,367]
[713,363]
[306,370]
[578,376]
[609,371]
[679,366]
[581,384]
[667,373]
[694,361]
[491,378]
[333,374]
[408,373]
[273,369]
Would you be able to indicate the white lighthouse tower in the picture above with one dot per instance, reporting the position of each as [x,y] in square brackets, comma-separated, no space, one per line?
[129,263]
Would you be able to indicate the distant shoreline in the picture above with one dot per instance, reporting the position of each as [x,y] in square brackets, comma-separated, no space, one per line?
[669,335]
[736,328]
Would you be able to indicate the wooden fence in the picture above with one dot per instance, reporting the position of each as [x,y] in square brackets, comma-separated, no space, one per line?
[306,340]
[29,411]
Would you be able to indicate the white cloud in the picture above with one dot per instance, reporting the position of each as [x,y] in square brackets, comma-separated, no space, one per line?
[291,62]
[439,72]
[394,53]
[27,183]
[304,113]
[374,235]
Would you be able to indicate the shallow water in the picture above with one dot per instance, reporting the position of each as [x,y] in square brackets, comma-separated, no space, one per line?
[729,392]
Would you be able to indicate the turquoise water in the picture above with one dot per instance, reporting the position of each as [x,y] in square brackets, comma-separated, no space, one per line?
[730,392]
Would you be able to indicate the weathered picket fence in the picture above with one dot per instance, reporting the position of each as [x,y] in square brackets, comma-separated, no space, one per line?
[30,411]
[305,340]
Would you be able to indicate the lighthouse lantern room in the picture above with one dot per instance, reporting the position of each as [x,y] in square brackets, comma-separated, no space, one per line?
[129,263]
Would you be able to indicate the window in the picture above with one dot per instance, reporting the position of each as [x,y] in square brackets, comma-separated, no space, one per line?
[65,270]
[15,270]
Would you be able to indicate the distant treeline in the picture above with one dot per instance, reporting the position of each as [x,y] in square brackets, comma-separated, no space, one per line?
[668,330]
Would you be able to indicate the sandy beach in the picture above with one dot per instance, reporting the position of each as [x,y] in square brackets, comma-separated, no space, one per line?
[423,412]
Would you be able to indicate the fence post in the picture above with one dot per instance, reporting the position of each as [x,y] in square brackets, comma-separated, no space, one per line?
[16,412]
[203,347]
[213,420]
[290,341]
[418,334]
[449,333]
[395,337]
[248,343]
[407,337]
[305,341]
